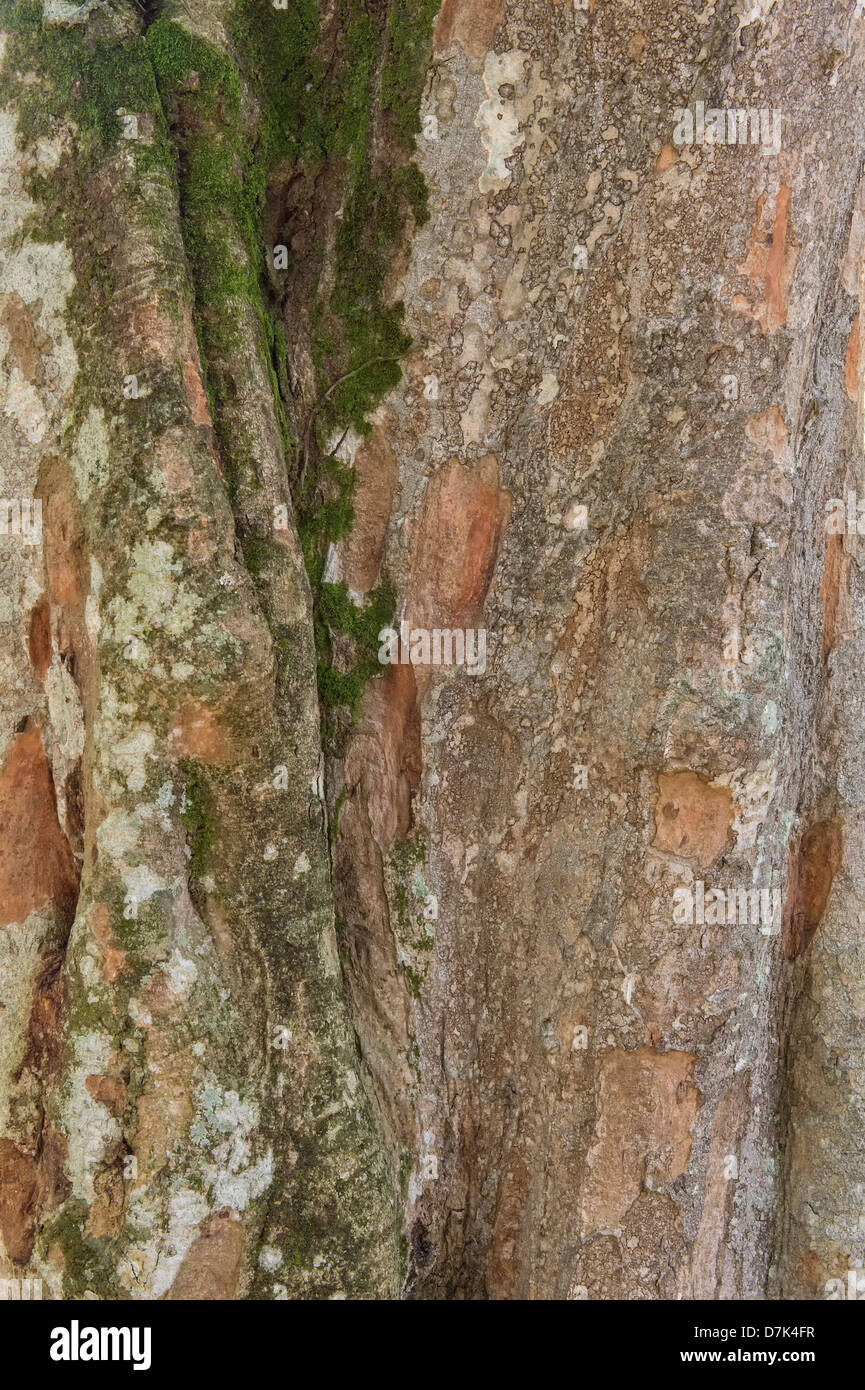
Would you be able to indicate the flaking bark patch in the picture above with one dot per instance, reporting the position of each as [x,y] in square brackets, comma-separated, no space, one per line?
[462,521]
[19,1184]
[24,344]
[470,23]
[39,636]
[647,1104]
[851,361]
[832,591]
[37,866]
[693,819]
[770,263]
[814,862]
[211,1265]
[44,1052]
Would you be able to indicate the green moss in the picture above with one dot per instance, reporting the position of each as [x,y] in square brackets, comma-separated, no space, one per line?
[220,202]
[257,551]
[341,614]
[410,184]
[312,120]
[205,370]
[20,15]
[89,1015]
[360,339]
[325,510]
[198,817]
[409,42]
[337,613]
[406,1163]
[222,181]
[415,981]
[325,519]
[183,60]
[309,119]
[80,77]
[84,78]
[218,177]
[340,801]
[338,688]
[408,854]
[280,59]
[87,1263]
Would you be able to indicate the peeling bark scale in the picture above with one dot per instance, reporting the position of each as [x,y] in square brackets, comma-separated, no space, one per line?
[432,801]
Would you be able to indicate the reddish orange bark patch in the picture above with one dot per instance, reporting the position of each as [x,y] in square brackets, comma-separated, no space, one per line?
[470,23]
[44,1052]
[851,363]
[65,560]
[376,471]
[728,1126]
[211,1265]
[814,862]
[460,529]
[113,964]
[647,1104]
[100,923]
[54,1183]
[769,431]
[197,733]
[199,405]
[770,264]
[159,997]
[385,758]
[19,1186]
[832,588]
[692,818]
[110,1091]
[39,636]
[513,1205]
[105,1218]
[152,330]
[23,351]
[778,271]
[37,866]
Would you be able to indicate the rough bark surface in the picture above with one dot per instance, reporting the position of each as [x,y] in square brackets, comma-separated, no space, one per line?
[323,976]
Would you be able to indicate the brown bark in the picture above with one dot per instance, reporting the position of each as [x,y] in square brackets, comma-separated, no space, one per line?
[532,972]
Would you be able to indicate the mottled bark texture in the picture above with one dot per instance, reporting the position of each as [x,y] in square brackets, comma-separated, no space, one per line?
[182,1103]
[321,978]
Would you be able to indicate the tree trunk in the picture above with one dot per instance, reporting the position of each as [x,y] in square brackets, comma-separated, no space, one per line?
[430,803]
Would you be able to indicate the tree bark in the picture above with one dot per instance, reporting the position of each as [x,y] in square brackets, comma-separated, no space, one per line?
[327,974]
